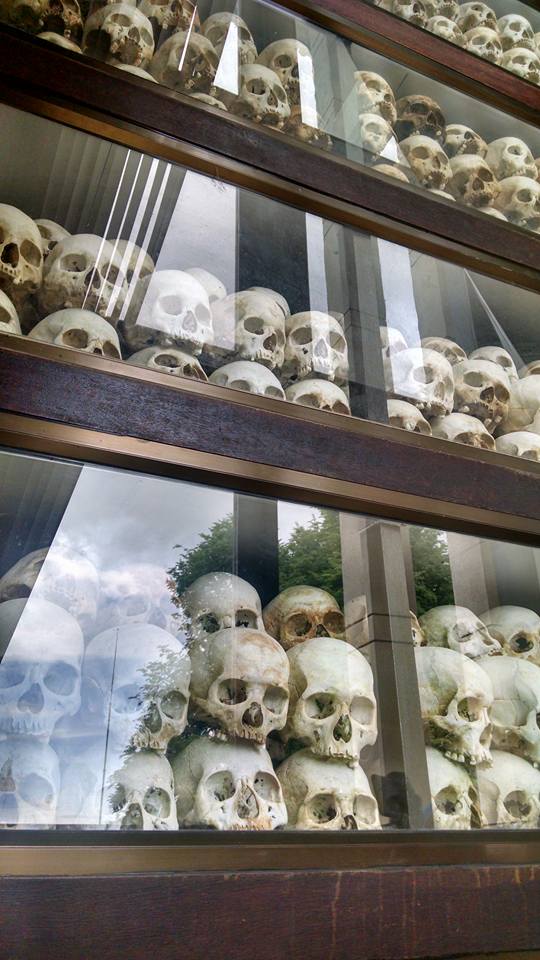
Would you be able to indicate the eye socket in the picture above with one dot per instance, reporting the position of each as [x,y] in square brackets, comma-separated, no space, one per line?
[365,809]
[232,691]
[120,20]
[171,305]
[334,623]
[521,643]
[273,392]
[157,803]
[166,360]
[337,342]
[117,798]
[447,800]
[322,808]
[208,622]
[275,699]
[362,710]
[421,153]
[299,625]
[473,379]
[257,87]
[61,678]
[73,263]
[221,785]
[245,618]
[267,786]
[239,385]
[502,394]
[127,699]
[301,336]
[31,253]
[469,709]
[36,790]
[173,705]
[75,338]
[320,706]
[284,61]
[109,350]
[10,676]
[517,804]
[254,325]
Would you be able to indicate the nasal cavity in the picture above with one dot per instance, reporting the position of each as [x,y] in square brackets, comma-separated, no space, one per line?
[247,806]
[10,254]
[343,729]
[253,716]
[92,278]
[32,700]
[9,811]
[349,823]
[152,719]
[320,349]
[133,819]
[190,323]
[488,394]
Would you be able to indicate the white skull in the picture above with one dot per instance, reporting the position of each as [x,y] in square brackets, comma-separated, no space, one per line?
[392,341]
[215,289]
[524,407]
[374,132]
[455,698]
[119,33]
[453,798]
[276,297]
[29,783]
[217,601]
[250,377]
[136,263]
[249,326]
[520,444]
[140,794]
[60,41]
[301,613]
[326,794]
[316,346]
[40,671]
[227,786]
[170,308]
[135,593]
[51,233]
[186,62]
[460,140]
[525,63]
[137,678]
[509,792]
[510,157]
[221,28]
[496,355]
[239,683]
[452,351]
[472,181]
[321,394]
[427,160]
[21,259]
[81,330]
[442,8]
[169,360]
[516,706]
[84,271]
[530,368]
[135,71]
[411,10]
[447,29]
[515,31]
[332,708]
[461,428]
[422,377]
[458,628]
[417,633]
[261,98]
[289,59]
[9,319]
[476,15]
[407,417]
[374,95]
[168,15]
[484,43]
[519,200]
[518,631]
[482,389]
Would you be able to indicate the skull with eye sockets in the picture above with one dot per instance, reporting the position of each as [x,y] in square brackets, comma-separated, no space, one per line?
[461,428]
[516,705]
[249,325]
[517,629]
[473,183]
[509,792]
[524,63]
[454,800]
[169,308]
[496,355]
[515,31]
[421,377]
[227,28]
[301,613]
[510,157]
[29,783]
[447,348]
[169,360]
[21,257]
[140,794]
[374,95]
[447,29]
[521,443]
[458,628]
[84,272]
[217,601]
[119,33]
[80,330]
[419,115]
[407,417]
[460,140]
[485,43]
[291,61]
[482,389]
[320,394]
[250,377]
[315,347]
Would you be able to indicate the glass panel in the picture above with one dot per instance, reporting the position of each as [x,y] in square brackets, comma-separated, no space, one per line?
[208,281]
[177,656]
[267,66]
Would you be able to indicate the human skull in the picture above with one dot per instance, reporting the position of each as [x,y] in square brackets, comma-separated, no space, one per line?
[84,271]
[482,389]
[458,628]
[460,140]
[524,407]
[249,325]
[168,16]
[28,15]
[119,33]
[332,707]
[407,417]
[170,308]
[427,160]
[40,670]
[250,377]
[518,631]
[138,679]
[423,378]
[461,428]
[29,783]
[217,601]
[485,43]
[59,41]
[21,259]
[420,115]
[291,61]
[135,593]
[442,8]
[316,346]
[412,10]
[51,233]
[301,613]
[510,157]
[261,98]
[455,698]
[186,62]
[392,341]
[80,330]
[447,29]
[530,368]
[312,133]
[522,444]
[448,348]
[515,31]
[169,360]
[496,355]
[64,18]
[472,181]
[278,298]
[9,318]
[321,394]
[239,683]
[135,71]
[476,14]
[326,794]
[140,794]
[516,705]
[454,801]
[374,95]
[519,200]
[509,792]
[215,289]
[374,132]
[227,786]
[221,28]
[525,63]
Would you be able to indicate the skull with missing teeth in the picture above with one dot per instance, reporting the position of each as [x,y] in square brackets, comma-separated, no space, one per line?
[249,325]
[119,33]
[472,181]
[140,794]
[482,390]
[170,308]
[374,95]
[421,377]
[21,259]
[81,330]
[186,62]
[454,801]
[460,140]
[316,347]
[84,271]
[516,706]
[228,28]
[291,62]
[518,631]
[519,200]
[301,613]
[428,161]
[458,628]
[421,116]
[510,157]
[261,97]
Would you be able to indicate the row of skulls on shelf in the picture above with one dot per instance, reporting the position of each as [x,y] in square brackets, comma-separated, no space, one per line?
[509,41]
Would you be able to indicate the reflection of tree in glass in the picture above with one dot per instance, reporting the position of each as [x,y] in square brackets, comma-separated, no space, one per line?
[431,566]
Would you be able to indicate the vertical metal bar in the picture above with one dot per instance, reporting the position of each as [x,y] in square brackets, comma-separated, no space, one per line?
[256,549]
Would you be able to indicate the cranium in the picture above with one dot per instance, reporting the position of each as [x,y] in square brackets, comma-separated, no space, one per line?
[518,631]
[168,17]
[135,593]
[496,355]
[40,667]
[392,341]
[458,629]
[59,41]
[136,263]
[249,325]
[250,377]
[332,707]
[239,683]
[454,801]
[448,348]
[442,8]
[21,259]
[510,157]
[186,62]
[315,345]
[261,98]
[461,140]
[461,428]
[519,200]
[29,783]
[455,698]
[419,115]
[227,786]
[515,31]
[169,360]
[222,28]
[291,61]
[121,33]
[9,318]
[428,161]
[422,377]
[482,389]
[492,212]
[313,133]
[476,15]
[447,29]
[80,329]
[85,272]
[140,794]
[325,794]
[525,63]
[135,71]
[485,43]
[524,407]
[407,417]
[516,706]
[64,18]
[51,233]
[412,10]
[215,289]
[374,132]
[278,298]
[509,792]
[210,101]
[28,15]
[301,613]
[217,601]
[472,181]
[521,443]
[321,394]
[374,95]
[170,308]
[530,368]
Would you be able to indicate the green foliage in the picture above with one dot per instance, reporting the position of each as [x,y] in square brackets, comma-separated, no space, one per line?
[431,564]
[313,556]
[214,552]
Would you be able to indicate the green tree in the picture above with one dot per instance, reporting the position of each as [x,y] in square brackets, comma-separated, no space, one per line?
[431,565]
[312,555]
[214,552]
